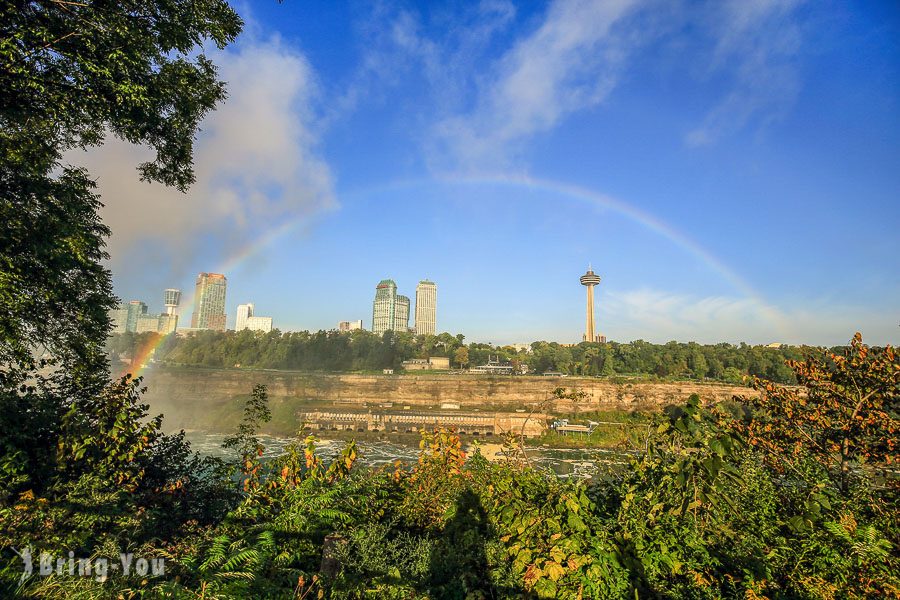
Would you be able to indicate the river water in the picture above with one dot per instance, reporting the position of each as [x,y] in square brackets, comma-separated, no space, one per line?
[578,463]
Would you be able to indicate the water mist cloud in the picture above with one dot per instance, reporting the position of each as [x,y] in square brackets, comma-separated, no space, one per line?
[255,162]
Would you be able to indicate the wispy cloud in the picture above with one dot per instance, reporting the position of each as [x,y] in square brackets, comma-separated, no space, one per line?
[398,52]
[756,43]
[659,316]
[255,160]
[568,63]
[490,94]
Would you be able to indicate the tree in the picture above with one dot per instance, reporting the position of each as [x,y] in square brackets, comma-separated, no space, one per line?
[698,364]
[589,360]
[608,369]
[847,412]
[71,73]
[461,356]
[733,375]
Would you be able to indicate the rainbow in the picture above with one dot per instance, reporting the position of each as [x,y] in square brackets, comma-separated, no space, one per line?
[187,305]
[567,190]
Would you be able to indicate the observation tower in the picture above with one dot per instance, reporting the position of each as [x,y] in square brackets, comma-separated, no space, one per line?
[589,280]
[173,299]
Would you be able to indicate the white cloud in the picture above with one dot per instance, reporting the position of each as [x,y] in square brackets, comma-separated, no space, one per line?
[487,106]
[569,63]
[756,45]
[255,162]
[660,316]
[398,52]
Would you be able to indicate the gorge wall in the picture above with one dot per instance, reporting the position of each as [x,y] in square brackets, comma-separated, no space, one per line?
[213,399]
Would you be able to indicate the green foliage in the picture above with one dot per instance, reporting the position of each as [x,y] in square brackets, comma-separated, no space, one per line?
[364,351]
[71,72]
[846,414]
[82,469]
[699,514]
[256,412]
[625,430]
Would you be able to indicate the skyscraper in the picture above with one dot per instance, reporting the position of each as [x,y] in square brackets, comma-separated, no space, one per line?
[389,311]
[589,280]
[426,307]
[401,315]
[136,309]
[244,312]
[384,307]
[209,302]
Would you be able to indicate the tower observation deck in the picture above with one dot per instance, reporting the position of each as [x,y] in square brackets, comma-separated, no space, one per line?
[589,280]
[173,299]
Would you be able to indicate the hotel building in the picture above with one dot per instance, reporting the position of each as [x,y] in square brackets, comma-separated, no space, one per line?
[209,302]
[426,307]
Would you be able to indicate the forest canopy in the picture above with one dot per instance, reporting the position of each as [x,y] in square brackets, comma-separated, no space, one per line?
[333,351]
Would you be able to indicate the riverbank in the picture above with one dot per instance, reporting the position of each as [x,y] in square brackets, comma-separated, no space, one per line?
[213,399]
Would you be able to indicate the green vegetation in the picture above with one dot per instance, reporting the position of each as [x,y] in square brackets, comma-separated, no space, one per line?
[355,351]
[616,429]
[713,506]
[792,496]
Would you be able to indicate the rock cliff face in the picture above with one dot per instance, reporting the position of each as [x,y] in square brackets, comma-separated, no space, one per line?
[198,397]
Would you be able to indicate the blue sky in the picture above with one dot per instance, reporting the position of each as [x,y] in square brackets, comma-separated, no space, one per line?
[730,169]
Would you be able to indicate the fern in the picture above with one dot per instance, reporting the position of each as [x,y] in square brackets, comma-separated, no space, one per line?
[866,543]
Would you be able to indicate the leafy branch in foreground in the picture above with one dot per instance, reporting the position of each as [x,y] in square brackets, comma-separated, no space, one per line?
[845,415]
[250,449]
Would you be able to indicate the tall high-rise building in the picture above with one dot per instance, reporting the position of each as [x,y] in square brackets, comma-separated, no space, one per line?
[244,312]
[390,311]
[172,300]
[209,302]
[136,309]
[401,315]
[384,306]
[426,307]
[589,280]
[119,318]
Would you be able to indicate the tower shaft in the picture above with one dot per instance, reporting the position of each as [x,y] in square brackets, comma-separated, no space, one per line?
[589,320]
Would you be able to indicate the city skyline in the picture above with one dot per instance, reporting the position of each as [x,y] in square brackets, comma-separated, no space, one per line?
[713,157]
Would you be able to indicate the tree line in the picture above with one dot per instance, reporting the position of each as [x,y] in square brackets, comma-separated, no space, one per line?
[333,351]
